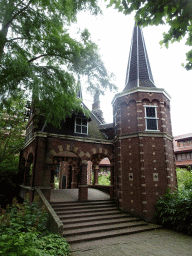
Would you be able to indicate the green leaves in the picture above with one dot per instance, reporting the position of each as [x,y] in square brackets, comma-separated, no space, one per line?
[31,244]
[38,54]
[177,14]
[104,179]
[23,229]
[174,210]
[11,133]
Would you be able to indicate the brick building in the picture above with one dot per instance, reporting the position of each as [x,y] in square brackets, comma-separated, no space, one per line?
[138,144]
[183,150]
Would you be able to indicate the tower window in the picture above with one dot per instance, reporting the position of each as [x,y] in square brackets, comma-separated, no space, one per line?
[81,125]
[151,120]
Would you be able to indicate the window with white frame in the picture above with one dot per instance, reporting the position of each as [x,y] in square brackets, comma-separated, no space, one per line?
[151,120]
[81,125]
[29,132]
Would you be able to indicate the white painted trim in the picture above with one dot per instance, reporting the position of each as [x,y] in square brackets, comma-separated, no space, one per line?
[153,106]
[96,118]
[80,125]
[129,61]
[141,89]
[137,58]
[149,133]
[154,118]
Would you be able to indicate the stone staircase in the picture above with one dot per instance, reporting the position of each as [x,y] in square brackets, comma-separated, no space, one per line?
[94,220]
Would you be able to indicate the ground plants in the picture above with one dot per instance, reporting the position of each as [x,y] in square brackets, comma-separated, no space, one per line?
[104,179]
[174,210]
[184,178]
[24,232]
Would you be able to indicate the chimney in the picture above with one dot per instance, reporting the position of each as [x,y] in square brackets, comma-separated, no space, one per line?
[96,108]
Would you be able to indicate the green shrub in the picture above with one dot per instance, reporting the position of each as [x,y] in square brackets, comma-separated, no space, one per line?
[184,178]
[56,182]
[174,210]
[32,244]
[104,179]
[23,217]
[24,232]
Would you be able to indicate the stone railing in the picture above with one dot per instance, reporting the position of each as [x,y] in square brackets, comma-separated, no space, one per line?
[24,190]
[54,224]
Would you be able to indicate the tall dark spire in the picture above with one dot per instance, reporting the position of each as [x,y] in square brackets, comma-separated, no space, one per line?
[79,90]
[138,70]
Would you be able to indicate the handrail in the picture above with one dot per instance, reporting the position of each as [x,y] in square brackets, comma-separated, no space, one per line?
[54,224]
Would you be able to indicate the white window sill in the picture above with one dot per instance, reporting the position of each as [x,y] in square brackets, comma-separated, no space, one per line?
[152,130]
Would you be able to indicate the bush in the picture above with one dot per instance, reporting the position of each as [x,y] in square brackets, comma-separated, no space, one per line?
[184,178]
[24,232]
[174,210]
[104,179]
[32,244]
[23,217]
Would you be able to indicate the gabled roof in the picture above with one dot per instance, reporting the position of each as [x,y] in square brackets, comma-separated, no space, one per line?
[138,69]
[94,126]
[183,137]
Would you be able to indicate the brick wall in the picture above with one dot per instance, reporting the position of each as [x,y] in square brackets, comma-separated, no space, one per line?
[144,160]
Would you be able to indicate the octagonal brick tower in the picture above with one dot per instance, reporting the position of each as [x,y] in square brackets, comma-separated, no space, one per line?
[144,158]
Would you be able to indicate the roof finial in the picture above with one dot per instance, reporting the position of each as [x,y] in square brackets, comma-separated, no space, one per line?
[79,90]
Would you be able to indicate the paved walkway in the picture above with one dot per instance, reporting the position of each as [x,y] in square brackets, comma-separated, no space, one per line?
[67,195]
[161,242]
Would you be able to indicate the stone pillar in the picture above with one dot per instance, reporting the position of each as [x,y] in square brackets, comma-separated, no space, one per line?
[27,177]
[52,183]
[83,187]
[96,170]
[112,182]
[73,183]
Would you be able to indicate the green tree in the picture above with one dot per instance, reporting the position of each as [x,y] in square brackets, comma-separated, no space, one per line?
[176,13]
[38,54]
[11,135]
[12,127]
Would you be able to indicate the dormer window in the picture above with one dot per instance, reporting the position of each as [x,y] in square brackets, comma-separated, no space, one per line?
[151,120]
[81,125]
[29,132]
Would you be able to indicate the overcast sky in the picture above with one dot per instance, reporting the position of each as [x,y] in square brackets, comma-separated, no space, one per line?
[113,33]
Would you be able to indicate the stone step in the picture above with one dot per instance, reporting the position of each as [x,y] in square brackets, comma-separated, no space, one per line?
[99,222]
[71,208]
[78,203]
[102,228]
[81,210]
[92,218]
[85,215]
[112,233]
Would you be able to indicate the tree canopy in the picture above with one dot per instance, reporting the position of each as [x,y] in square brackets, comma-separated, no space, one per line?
[11,135]
[176,13]
[40,59]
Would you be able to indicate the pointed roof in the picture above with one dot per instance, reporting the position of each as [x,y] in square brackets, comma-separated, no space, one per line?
[79,90]
[138,69]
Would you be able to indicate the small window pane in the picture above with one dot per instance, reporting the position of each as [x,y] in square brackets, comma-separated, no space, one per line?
[84,129]
[78,128]
[151,124]
[150,112]
[78,121]
[84,122]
